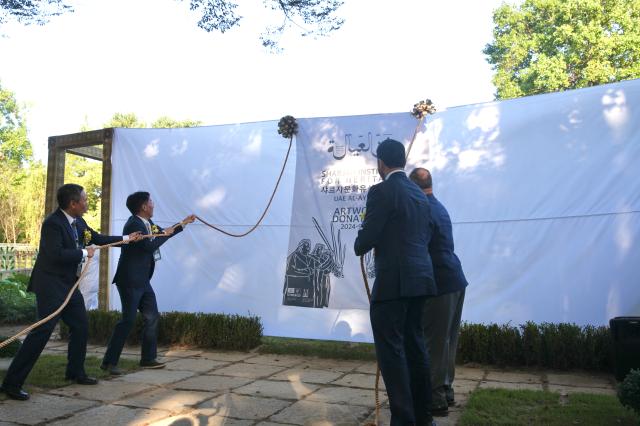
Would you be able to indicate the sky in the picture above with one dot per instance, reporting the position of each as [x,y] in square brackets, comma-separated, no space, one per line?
[150,58]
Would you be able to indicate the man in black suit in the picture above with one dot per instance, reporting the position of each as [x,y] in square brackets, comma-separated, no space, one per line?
[64,244]
[133,279]
[397,226]
[442,313]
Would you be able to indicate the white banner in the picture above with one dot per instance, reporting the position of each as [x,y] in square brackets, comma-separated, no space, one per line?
[543,193]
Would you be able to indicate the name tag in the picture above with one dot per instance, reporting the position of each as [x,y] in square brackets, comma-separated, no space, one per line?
[156,255]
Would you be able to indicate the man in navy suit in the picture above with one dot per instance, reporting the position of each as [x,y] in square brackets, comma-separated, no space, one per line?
[64,245]
[397,226]
[442,313]
[133,279]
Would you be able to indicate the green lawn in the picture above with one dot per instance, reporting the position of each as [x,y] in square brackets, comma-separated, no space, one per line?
[319,348]
[49,371]
[525,407]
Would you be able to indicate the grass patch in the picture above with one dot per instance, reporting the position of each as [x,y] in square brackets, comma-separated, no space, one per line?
[319,348]
[527,407]
[49,371]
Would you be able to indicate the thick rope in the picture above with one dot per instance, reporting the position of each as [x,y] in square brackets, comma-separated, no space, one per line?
[413,139]
[264,213]
[377,386]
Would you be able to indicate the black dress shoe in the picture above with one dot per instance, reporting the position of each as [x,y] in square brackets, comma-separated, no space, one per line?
[440,411]
[15,393]
[112,369]
[154,363]
[83,380]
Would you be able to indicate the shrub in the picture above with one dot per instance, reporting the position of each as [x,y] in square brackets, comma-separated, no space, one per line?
[16,305]
[629,391]
[560,346]
[213,331]
[11,349]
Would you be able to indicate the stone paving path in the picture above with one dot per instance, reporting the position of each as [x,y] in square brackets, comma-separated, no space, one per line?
[200,387]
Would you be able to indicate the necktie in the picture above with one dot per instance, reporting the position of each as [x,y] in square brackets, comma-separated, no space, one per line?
[74,229]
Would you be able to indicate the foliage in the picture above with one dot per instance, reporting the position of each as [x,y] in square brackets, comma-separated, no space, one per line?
[127,120]
[16,305]
[527,407]
[560,346]
[11,349]
[31,12]
[165,122]
[541,46]
[311,17]
[88,174]
[214,331]
[15,148]
[629,391]
[21,178]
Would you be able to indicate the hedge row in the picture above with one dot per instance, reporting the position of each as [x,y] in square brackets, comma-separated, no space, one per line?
[213,331]
[559,346]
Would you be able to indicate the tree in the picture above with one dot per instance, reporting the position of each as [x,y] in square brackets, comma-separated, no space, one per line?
[88,174]
[128,120]
[317,16]
[165,122]
[14,144]
[542,46]
[31,11]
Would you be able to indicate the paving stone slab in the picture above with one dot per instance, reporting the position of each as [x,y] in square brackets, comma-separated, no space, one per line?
[359,380]
[367,368]
[155,376]
[469,373]
[331,364]
[241,406]
[252,371]
[105,391]
[464,386]
[282,390]
[568,390]
[201,419]
[180,352]
[212,383]
[310,413]
[5,363]
[3,423]
[226,356]
[513,377]
[41,408]
[110,415]
[277,360]
[272,424]
[307,375]
[171,400]
[582,380]
[349,396]
[507,385]
[195,364]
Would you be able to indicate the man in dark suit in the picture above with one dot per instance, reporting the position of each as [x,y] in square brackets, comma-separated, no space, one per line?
[442,313]
[64,243]
[133,279]
[397,226]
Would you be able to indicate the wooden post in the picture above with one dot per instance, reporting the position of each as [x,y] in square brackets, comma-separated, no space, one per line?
[105,221]
[55,175]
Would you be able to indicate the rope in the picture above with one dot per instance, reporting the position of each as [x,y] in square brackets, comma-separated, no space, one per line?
[377,386]
[264,213]
[413,139]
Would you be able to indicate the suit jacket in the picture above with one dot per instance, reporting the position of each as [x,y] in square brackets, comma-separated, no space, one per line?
[54,272]
[136,263]
[397,226]
[446,265]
